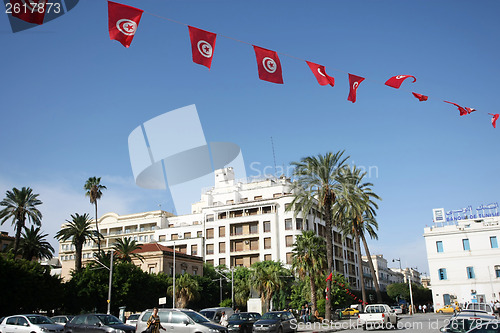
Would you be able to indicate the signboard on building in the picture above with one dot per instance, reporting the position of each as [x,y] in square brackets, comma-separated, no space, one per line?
[466,213]
[438,214]
[162,300]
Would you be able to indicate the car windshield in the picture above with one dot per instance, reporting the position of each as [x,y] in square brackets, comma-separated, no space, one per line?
[241,316]
[208,314]
[272,315]
[39,320]
[197,318]
[109,319]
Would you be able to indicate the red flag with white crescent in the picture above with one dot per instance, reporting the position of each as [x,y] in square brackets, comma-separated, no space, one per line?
[462,110]
[32,11]
[268,64]
[329,277]
[202,46]
[123,21]
[354,82]
[470,110]
[397,80]
[320,74]
[494,119]
[420,97]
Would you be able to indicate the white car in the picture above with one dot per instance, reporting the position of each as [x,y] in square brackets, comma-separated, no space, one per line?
[397,309]
[132,319]
[29,323]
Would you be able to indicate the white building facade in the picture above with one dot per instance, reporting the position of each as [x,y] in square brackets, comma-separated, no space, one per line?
[464,259]
[234,224]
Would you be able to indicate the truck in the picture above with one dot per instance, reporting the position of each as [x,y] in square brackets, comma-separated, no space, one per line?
[378,316]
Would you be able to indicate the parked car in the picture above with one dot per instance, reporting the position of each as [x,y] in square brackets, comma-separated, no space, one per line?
[29,323]
[214,314]
[62,319]
[181,321]
[466,320]
[350,312]
[397,309]
[97,323]
[276,321]
[448,309]
[378,316]
[242,322]
[132,319]
[490,327]
[480,306]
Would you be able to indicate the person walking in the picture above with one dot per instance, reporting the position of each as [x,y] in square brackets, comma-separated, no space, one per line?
[223,319]
[308,313]
[303,314]
[154,324]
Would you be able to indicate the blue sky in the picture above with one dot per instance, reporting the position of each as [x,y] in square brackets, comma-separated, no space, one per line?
[70,98]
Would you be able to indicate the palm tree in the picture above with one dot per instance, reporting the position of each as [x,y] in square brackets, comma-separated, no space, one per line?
[242,276]
[359,208]
[34,246]
[309,258]
[20,205]
[125,248]
[267,278]
[186,290]
[316,185]
[94,192]
[79,229]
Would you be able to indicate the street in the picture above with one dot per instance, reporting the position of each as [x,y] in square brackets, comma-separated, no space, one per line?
[423,323]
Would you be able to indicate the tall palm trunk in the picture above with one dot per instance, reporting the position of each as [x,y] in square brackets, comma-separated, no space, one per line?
[360,268]
[329,199]
[20,227]
[78,255]
[97,228]
[372,269]
[313,294]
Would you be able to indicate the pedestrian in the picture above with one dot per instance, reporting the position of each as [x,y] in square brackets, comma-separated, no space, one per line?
[420,308]
[223,319]
[154,324]
[237,310]
[424,307]
[497,307]
[303,314]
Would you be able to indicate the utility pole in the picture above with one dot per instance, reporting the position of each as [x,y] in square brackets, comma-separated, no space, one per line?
[110,269]
[232,287]
[173,273]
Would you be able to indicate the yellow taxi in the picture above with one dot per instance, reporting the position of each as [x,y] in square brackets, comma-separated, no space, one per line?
[350,312]
[448,309]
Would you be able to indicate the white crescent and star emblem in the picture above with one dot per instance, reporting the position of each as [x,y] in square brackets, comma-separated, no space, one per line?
[126,27]
[320,73]
[355,85]
[205,48]
[399,77]
[269,65]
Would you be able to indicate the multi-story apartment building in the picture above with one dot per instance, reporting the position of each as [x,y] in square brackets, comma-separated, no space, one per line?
[464,258]
[235,223]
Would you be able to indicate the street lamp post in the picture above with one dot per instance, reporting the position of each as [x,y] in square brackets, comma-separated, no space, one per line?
[409,284]
[110,269]
[173,274]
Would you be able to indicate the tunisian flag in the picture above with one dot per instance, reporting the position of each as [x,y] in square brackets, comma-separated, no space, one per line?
[320,74]
[122,22]
[32,11]
[397,80]
[420,97]
[494,119]
[268,64]
[202,46]
[462,110]
[354,82]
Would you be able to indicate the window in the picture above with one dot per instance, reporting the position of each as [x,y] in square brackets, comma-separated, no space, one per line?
[210,262]
[288,224]
[465,243]
[222,247]
[222,231]
[229,202]
[470,273]
[254,228]
[287,206]
[194,250]
[238,246]
[238,230]
[267,226]
[187,235]
[267,257]
[289,241]
[199,234]
[289,258]
[257,197]
[222,261]
[210,218]
[210,233]
[497,271]
[195,271]
[267,243]
[254,244]
[493,242]
[253,260]
[442,274]
[210,248]
[172,237]
[298,223]
[439,246]
[151,269]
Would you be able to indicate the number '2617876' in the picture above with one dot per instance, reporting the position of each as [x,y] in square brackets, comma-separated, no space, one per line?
[32,7]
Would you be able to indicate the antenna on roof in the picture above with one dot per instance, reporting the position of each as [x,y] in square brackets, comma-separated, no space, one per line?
[274,156]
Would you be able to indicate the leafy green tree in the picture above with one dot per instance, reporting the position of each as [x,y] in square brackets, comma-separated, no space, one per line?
[79,229]
[125,248]
[267,278]
[20,205]
[93,190]
[317,185]
[186,290]
[242,278]
[309,259]
[34,246]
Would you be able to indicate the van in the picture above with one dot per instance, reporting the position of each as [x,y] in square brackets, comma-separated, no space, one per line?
[482,307]
[180,320]
[214,314]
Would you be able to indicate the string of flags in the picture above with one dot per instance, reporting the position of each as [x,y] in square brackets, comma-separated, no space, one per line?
[347,291]
[123,21]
